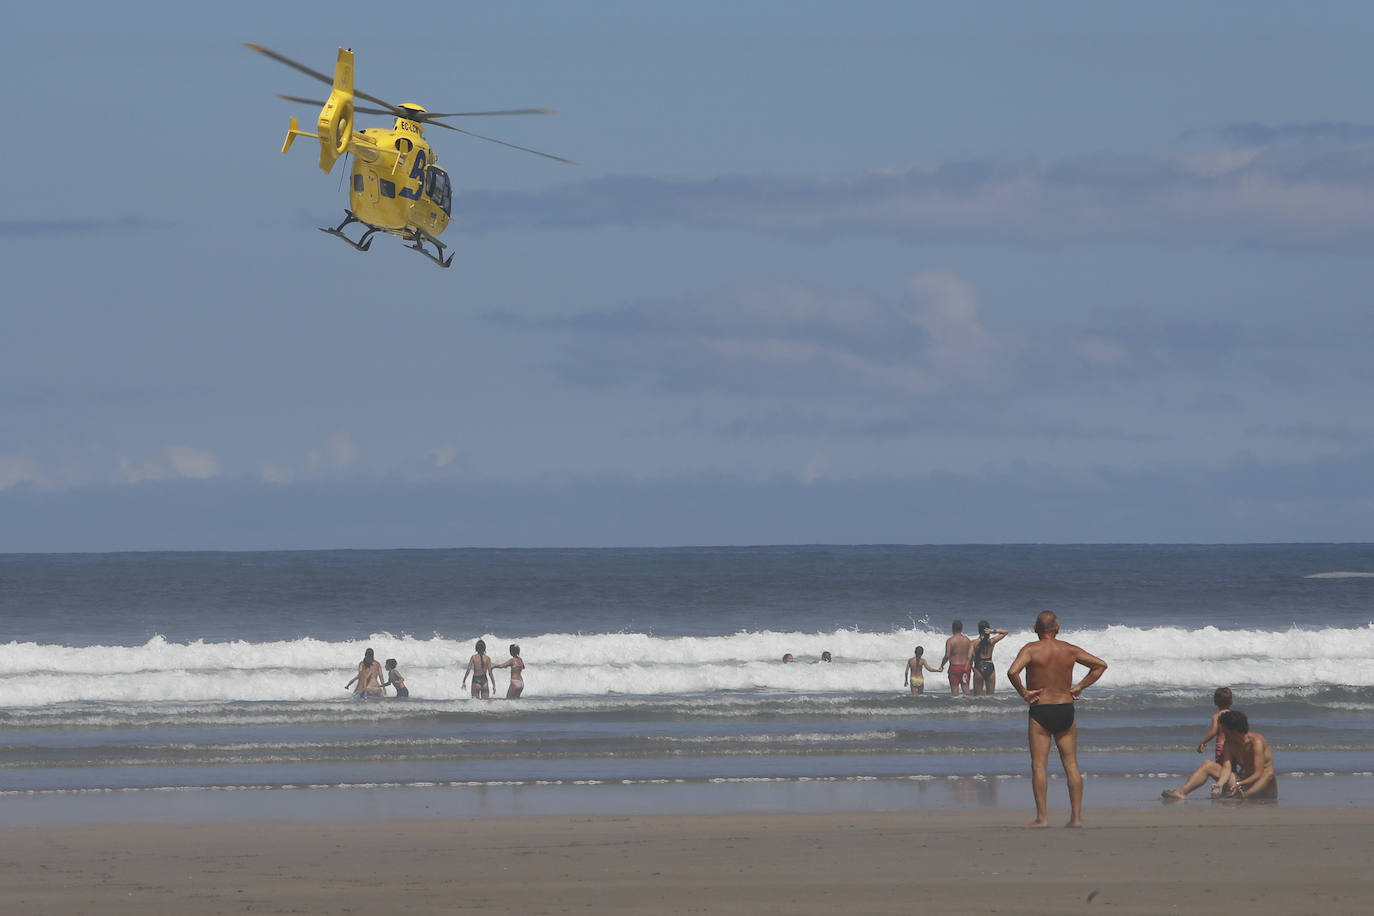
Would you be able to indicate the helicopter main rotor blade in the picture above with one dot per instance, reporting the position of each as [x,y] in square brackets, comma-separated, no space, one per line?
[423,117]
[282,59]
[431,115]
[525,149]
[326,79]
[320,102]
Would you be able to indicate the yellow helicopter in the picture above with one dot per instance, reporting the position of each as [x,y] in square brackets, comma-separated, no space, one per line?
[397,185]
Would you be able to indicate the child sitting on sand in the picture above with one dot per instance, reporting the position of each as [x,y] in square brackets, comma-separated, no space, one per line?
[1223,699]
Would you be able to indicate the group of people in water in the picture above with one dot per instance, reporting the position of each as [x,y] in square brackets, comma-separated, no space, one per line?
[971,670]
[372,680]
[484,672]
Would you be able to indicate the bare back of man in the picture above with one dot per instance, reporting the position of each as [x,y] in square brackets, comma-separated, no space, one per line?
[958,648]
[1049,689]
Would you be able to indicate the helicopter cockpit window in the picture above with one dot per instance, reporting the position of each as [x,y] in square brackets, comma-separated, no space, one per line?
[438,189]
[388,188]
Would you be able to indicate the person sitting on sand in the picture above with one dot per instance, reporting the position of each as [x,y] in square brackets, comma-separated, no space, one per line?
[1223,700]
[394,679]
[517,672]
[1246,769]
[913,675]
[479,666]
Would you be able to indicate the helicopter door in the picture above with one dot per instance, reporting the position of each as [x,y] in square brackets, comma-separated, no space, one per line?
[364,189]
[438,190]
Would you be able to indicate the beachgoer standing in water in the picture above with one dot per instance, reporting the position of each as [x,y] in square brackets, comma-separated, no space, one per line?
[913,675]
[957,650]
[479,666]
[394,679]
[984,671]
[368,678]
[517,672]
[1049,663]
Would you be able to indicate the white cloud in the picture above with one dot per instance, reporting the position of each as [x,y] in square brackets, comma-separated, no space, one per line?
[191,462]
[1316,193]
[789,342]
[174,461]
[1101,351]
[814,470]
[948,312]
[271,473]
[337,454]
[340,450]
[14,471]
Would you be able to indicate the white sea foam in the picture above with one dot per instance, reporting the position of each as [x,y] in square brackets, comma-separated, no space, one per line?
[621,666]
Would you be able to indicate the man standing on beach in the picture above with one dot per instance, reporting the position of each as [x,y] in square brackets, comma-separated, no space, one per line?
[958,648]
[1049,663]
[1245,753]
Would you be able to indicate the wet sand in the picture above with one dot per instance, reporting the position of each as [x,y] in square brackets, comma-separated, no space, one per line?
[1189,858]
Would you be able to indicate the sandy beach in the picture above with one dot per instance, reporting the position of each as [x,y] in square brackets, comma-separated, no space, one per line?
[1192,858]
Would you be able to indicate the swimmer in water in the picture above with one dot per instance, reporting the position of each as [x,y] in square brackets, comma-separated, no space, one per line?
[368,678]
[394,679]
[984,671]
[517,672]
[479,666]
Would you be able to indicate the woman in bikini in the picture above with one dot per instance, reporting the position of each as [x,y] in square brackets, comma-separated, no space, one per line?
[914,675]
[517,672]
[368,679]
[479,666]
[984,671]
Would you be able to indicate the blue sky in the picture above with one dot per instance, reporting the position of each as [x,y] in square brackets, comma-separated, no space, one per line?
[896,272]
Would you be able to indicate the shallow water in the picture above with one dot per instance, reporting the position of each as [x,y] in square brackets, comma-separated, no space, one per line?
[193,671]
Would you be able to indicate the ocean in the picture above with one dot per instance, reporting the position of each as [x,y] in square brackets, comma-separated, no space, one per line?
[139,676]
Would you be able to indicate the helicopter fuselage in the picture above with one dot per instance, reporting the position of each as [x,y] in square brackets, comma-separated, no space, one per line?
[396,184]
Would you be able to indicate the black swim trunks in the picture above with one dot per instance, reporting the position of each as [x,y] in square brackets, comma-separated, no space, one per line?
[985,668]
[1055,718]
[402,692]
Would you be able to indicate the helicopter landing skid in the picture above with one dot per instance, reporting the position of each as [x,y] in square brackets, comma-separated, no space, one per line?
[363,243]
[418,238]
